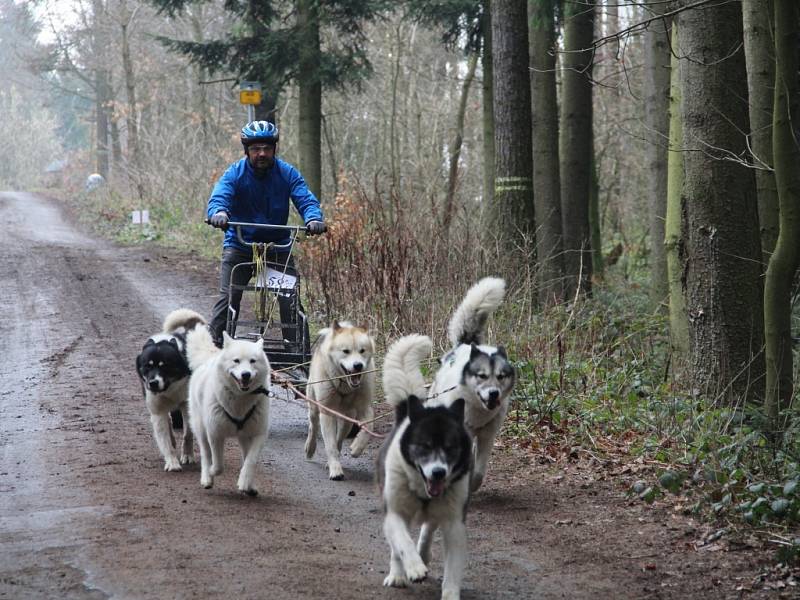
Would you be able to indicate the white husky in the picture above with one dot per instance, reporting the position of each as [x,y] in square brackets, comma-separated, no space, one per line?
[480,374]
[341,378]
[228,397]
[423,472]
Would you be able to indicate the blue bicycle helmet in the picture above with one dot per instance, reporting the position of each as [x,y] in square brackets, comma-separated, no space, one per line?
[259,132]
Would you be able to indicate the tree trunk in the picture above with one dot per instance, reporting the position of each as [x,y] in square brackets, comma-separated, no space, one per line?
[333,163]
[785,260]
[488,106]
[724,292]
[759,49]
[595,237]
[131,117]
[455,147]
[576,144]
[310,103]
[102,89]
[673,243]
[269,95]
[116,143]
[544,119]
[195,15]
[512,208]
[656,107]
[393,127]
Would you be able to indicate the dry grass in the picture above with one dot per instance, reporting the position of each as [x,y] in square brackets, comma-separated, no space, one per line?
[391,267]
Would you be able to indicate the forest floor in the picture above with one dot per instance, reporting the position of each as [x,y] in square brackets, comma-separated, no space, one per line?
[86,510]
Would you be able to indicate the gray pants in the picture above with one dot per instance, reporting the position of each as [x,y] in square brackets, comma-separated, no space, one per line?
[280,261]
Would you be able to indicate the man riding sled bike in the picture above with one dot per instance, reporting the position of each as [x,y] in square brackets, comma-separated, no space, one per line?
[257,189]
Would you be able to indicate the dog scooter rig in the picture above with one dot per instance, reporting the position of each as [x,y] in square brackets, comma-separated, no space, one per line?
[270,306]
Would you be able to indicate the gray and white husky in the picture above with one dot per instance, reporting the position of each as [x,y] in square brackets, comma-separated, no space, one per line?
[341,378]
[423,472]
[480,374]
[228,397]
[164,373]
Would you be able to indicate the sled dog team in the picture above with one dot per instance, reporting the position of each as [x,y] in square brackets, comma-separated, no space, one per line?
[435,456]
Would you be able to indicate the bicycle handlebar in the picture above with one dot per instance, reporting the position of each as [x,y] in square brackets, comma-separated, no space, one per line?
[263,225]
[296,229]
[266,226]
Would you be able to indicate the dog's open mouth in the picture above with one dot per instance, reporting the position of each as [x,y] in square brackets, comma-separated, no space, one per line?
[243,385]
[434,487]
[491,401]
[353,378]
[491,404]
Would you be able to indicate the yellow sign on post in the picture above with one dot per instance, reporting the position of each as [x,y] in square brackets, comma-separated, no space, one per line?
[249,92]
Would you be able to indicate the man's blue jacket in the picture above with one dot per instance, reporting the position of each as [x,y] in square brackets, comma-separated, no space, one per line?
[252,199]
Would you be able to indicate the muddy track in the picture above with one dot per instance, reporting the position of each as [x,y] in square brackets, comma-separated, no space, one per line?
[86,510]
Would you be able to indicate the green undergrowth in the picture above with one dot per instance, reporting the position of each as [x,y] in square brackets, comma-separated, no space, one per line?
[174,222]
[597,379]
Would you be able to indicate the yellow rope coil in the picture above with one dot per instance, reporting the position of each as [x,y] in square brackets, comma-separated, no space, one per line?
[261,290]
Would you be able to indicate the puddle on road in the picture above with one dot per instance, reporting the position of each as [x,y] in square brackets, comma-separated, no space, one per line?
[50,519]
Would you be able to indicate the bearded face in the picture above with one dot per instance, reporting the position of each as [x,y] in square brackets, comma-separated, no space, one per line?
[261,156]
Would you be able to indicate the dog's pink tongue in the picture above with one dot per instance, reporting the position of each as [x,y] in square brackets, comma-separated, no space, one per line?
[435,488]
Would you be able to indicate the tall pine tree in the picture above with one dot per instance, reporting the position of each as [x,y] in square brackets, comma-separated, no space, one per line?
[317,45]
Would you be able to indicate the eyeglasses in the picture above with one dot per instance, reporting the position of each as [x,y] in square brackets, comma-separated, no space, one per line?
[258,148]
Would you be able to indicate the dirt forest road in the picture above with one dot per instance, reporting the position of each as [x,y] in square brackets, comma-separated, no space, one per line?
[86,510]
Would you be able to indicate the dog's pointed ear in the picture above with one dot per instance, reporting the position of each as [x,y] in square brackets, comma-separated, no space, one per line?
[415,408]
[226,338]
[502,352]
[474,350]
[457,408]
[260,343]
[336,326]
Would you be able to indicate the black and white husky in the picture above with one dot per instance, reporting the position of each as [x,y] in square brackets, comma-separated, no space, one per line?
[480,374]
[164,373]
[423,472]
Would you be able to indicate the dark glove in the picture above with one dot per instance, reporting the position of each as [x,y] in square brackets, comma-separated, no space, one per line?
[316,227]
[219,220]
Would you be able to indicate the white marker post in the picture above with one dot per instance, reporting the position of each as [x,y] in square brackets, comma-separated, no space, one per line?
[140,217]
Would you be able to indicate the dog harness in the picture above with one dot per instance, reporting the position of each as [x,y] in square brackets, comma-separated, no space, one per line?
[241,422]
